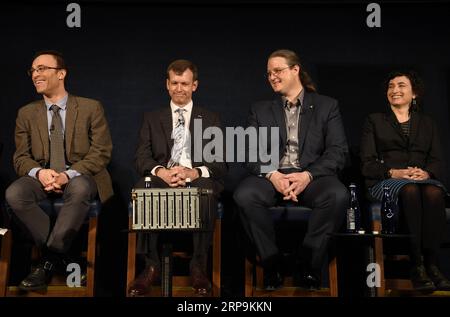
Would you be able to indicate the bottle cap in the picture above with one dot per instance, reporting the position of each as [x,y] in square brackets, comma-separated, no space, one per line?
[147,179]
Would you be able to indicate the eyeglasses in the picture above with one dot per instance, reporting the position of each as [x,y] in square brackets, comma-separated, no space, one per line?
[40,69]
[277,71]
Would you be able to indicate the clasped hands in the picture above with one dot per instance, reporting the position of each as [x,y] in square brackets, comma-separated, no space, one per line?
[52,180]
[290,185]
[413,173]
[176,176]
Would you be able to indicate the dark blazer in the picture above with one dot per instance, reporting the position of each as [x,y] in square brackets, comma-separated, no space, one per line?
[323,146]
[155,142]
[383,146]
[87,140]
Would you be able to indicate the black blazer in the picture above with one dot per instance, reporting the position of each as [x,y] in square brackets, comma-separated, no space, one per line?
[323,146]
[383,146]
[155,142]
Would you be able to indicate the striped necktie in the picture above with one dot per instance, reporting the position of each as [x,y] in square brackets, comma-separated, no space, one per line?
[178,135]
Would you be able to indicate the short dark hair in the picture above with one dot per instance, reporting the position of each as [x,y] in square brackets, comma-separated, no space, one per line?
[179,66]
[292,59]
[416,85]
[59,57]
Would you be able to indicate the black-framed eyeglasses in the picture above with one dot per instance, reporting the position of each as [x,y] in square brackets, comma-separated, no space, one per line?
[277,71]
[40,69]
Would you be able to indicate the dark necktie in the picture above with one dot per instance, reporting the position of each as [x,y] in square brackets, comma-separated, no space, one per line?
[57,160]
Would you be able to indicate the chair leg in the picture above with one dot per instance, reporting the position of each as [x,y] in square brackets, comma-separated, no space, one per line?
[5,258]
[248,278]
[333,276]
[131,259]
[92,244]
[259,276]
[379,258]
[216,258]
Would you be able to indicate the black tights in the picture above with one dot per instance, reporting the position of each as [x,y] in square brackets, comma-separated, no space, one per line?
[423,209]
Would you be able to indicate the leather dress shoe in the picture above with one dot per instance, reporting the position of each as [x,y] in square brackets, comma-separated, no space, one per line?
[439,280]
[142,284]
[273,277]
[308,280]
[273,280]
[83,279]
[200,283]
[420,280]
[39,277]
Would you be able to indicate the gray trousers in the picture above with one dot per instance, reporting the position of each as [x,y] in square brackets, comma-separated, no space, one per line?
[23,196]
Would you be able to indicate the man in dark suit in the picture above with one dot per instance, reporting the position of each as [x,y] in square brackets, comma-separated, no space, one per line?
[312,149]
[170,163]
[63,146]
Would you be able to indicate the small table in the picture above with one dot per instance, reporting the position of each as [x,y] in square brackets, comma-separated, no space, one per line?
[372,244]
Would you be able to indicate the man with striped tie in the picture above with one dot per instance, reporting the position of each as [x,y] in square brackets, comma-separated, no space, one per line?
[165,152]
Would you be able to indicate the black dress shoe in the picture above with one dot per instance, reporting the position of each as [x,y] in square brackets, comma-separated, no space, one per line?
[39,277]
[308,280]
[273,280]
[83,279]
[421,281]
[439,280]
[273,267]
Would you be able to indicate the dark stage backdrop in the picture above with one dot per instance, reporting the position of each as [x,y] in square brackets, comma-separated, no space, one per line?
[120,53]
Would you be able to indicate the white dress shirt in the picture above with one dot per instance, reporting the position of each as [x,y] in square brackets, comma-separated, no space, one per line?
[185,159]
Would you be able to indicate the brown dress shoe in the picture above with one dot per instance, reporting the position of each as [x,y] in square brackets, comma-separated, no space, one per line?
[142,284]
[200,283]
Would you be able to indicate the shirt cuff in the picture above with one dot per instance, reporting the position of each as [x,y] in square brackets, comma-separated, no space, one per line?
[155,168]
[268,175]
[310,176]
[205,171]
[33,172]
[72,173]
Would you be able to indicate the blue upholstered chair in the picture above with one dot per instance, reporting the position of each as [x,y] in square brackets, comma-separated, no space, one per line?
[52,208]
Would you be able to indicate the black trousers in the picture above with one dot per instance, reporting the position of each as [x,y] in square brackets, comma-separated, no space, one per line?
[326,196]
[23,196]
[147,243]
